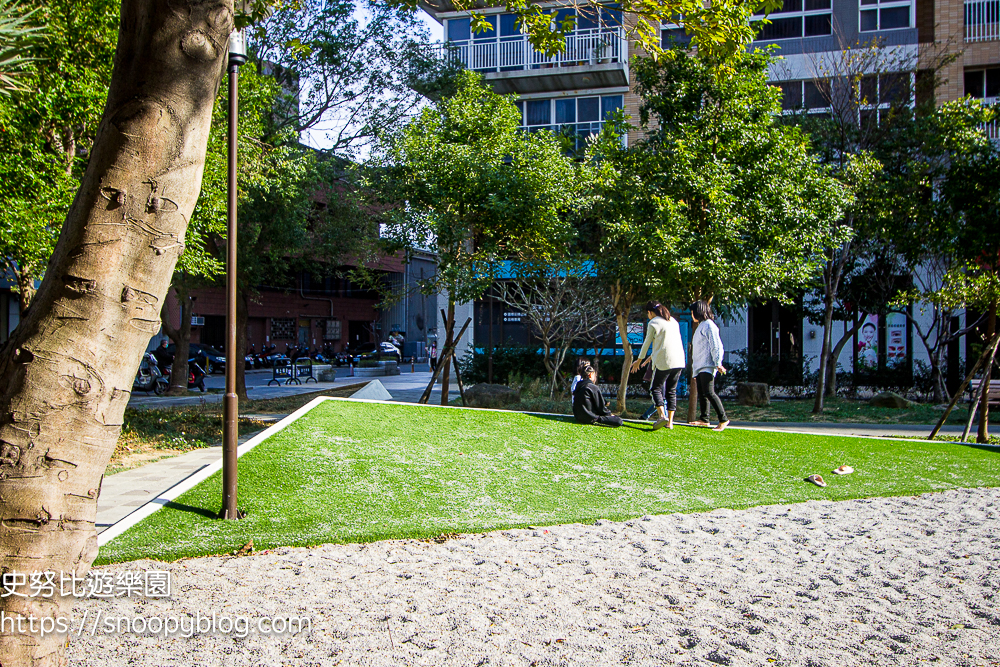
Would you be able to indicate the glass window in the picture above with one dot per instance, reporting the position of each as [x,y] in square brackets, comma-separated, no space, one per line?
[816,94]
[458,30]
[782,28]
[791,95]
[610,103]
[975,83]
[894,17]
[508,25]
[588,109]
[983,83]
[798,18]
[587,18]
[890,15]
[538,112]
[820,24]
[565,111]
[894,88]
[993,82]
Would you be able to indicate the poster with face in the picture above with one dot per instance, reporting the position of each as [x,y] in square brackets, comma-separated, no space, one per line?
[895,338]
[868,342]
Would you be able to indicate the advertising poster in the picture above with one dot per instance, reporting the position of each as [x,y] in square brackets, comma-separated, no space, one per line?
[895,339]
[868,342]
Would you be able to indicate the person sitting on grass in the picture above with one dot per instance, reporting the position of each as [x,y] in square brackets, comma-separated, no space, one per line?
[588,403]
[706,360]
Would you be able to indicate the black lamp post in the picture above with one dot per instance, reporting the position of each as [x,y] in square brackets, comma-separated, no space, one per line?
[230,402]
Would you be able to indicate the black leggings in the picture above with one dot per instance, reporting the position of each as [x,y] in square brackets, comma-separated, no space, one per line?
[613,421]
[706,393]
[665,382]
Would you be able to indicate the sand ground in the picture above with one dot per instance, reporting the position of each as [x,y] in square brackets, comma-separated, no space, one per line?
[883,581]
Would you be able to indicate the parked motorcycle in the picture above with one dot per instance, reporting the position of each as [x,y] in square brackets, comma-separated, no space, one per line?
[149,378]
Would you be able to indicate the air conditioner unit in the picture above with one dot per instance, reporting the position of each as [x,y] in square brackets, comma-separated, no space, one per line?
[197,320]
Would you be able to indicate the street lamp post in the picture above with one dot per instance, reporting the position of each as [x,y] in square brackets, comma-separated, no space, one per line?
[230,402]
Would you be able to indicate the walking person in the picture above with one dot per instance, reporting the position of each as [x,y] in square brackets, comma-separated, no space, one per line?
[588,403]
[706,360]
[663,341]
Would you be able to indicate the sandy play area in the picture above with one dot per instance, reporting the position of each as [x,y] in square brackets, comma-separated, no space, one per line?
[885,581]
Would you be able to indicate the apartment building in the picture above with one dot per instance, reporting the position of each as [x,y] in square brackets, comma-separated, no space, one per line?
[573,92]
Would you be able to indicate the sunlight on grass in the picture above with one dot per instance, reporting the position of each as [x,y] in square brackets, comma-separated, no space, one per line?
[363,471]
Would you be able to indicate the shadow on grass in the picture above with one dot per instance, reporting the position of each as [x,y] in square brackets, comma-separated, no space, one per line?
[191,508]
[568,419]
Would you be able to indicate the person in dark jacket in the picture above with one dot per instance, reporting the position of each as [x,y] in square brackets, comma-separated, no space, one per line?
[588,404]
[163,357]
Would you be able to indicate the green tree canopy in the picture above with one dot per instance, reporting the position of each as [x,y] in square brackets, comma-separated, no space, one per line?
[467,183]
[721,202]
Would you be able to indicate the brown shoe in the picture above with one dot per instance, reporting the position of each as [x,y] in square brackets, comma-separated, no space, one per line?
[660,423]
[698,422]
[722,426]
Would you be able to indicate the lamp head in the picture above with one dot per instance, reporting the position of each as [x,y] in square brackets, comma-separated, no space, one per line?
[237,48]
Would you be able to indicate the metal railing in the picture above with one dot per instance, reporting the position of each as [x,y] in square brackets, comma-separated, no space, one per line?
[982,20]
[504,54]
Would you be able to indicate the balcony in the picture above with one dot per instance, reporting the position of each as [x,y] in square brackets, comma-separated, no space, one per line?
[594,58]
[982,20]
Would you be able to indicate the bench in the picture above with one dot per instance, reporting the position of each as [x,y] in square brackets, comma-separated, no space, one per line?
[993,389]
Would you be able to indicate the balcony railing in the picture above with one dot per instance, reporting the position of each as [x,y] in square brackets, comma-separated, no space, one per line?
[982,20]
[507,54]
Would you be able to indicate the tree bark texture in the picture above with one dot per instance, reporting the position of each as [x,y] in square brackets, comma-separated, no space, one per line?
[824,355]
[831,366]
[69,365]
[983,436]
[182,341]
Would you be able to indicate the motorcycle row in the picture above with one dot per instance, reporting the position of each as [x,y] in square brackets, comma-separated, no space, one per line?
[154,374]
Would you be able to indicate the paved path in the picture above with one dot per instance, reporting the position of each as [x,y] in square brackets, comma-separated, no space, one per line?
[406,387]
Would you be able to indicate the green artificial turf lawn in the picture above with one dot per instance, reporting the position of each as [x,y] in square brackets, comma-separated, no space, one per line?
[351,471]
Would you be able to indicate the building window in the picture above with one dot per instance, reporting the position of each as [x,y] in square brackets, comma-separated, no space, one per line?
[283,328]
[983,84]
[885,14]
[809,96]
[798,18]
[573,116]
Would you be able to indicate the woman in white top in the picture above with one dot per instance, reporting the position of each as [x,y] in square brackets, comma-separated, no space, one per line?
[706,359]
[663,335]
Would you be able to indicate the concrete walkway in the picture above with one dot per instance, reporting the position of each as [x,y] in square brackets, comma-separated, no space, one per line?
[125,492]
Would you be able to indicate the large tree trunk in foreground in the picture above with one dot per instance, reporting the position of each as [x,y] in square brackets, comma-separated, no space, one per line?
[68,368]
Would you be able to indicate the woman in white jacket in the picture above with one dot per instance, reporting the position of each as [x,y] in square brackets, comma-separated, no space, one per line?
[663,335]
[706,359]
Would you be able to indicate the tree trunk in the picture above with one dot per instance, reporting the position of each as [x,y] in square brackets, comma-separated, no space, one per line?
[242,314]
[449,328]
[623,306]
[182,341]
[831,366]
[69,366]
[824,355]
[983,437]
